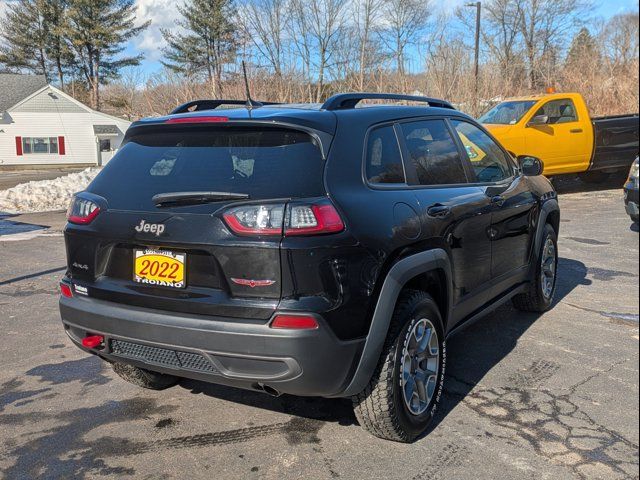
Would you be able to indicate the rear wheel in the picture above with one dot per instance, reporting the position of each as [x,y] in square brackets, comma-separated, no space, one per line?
[144,378]
[401,399]
[543,287]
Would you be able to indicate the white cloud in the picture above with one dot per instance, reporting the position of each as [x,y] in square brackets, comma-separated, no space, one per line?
[163,14]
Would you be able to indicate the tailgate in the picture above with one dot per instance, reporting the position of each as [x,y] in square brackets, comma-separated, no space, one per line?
[224,273]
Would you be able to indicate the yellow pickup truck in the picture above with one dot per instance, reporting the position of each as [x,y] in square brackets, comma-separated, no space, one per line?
[557,129]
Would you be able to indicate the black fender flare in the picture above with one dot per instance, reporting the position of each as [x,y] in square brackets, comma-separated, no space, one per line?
[545,210]
[399,274]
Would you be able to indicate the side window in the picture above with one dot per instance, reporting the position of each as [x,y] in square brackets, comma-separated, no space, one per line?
[488,161]
[383,161]
[433,153]
[559,111]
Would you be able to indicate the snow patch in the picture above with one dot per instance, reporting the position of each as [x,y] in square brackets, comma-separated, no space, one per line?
[45,195]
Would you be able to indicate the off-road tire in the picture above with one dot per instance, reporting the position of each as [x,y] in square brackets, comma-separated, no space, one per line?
[380,407]
[144,378]
[534,300]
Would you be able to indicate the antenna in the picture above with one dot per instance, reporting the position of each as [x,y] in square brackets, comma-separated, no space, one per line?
[251,104]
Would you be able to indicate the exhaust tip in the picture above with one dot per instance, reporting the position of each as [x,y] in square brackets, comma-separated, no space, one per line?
[267,389]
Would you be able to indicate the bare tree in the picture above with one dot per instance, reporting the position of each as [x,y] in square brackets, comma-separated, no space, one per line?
[620,37]
[544,24]
[366,16]
[264,21]
[124,96]
[406,20]
[501,34]
[317,25]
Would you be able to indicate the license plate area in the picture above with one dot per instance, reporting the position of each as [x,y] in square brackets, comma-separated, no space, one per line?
[161,268]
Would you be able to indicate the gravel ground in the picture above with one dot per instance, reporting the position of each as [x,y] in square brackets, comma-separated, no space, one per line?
[528,397]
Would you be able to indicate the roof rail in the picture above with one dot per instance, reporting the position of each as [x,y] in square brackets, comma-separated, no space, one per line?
[205,104]
[343,101]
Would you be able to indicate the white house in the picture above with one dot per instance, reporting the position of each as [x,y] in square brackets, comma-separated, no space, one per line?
[44,127]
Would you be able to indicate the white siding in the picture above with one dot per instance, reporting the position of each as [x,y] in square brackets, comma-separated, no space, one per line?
[74,124]
[49,101]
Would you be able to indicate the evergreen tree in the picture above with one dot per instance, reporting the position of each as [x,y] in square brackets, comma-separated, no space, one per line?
[97,31]
[209,43]
[57,48]
[31,38]
[584,46]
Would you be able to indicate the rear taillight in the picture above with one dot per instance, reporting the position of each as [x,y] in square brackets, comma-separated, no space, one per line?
[313,220]
[82,211]
[296,219]
[255,219]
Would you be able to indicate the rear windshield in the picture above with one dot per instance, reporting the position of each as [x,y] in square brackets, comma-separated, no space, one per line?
[264,163]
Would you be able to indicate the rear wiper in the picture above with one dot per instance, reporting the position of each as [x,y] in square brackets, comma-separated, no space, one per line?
[194,198]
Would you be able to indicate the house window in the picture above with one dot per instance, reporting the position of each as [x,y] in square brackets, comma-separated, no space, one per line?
[38,145]
[105,144]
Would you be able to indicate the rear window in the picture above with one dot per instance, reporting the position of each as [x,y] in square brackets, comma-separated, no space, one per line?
[264,163]
[384,162]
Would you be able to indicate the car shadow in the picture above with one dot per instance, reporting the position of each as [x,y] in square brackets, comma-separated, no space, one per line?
[476,350]
[471,354]
[565,184]
[332,410]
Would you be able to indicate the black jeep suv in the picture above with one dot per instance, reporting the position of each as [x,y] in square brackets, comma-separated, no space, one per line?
[321,250]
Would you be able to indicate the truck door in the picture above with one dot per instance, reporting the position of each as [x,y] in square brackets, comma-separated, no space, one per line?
[563,140]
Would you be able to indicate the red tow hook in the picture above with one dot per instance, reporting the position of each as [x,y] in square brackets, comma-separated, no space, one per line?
[93,341]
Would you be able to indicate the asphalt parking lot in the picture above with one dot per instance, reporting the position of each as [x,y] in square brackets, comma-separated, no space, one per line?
[526,396]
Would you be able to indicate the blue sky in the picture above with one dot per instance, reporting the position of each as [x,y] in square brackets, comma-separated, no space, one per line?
[163,14]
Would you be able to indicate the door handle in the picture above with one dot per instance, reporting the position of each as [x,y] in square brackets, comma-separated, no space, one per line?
[576,130]
[438,211]
[498,200]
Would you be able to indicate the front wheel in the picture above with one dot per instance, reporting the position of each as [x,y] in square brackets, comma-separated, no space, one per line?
[540,296]
[401,399]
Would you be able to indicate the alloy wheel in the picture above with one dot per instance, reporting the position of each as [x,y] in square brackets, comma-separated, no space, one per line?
[549,266]
[420,366]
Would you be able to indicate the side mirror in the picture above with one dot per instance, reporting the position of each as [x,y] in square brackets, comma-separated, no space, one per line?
[538,120]
[531,166]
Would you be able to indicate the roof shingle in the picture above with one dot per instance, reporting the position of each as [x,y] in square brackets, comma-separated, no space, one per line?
[16,87]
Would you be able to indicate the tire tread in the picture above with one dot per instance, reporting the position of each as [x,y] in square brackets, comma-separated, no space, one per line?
[374,406]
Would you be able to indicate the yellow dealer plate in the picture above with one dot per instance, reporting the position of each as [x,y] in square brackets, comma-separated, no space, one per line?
[159,267]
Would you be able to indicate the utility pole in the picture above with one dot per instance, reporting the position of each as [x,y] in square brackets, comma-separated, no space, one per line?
[478,6]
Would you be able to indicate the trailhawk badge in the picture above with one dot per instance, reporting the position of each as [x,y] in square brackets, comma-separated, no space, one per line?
[155,228]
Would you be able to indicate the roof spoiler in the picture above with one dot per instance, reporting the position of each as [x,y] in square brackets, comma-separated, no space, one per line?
[344,101]
[206,104]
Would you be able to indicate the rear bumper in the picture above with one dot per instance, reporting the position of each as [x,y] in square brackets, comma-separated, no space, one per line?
[245,354]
